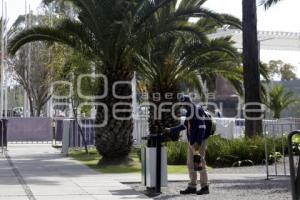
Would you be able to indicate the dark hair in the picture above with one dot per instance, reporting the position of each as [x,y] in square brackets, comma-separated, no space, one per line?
[186,99]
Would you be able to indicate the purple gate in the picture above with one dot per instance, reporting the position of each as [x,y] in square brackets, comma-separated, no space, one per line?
[29,130]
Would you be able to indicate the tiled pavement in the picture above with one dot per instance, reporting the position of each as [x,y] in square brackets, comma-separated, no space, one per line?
[38,172]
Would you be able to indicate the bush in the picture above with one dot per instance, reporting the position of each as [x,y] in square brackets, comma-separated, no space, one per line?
[177,153]
[223,153]
[138,151]
[296,144]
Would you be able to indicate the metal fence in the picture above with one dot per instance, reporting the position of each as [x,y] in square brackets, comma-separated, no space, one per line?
[228,128]
[276,135]
[29,130]
[75,140]
[231,128]
[75,132]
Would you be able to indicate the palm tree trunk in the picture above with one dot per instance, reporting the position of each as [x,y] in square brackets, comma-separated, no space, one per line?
[166,120]
[114,141]
[251,67]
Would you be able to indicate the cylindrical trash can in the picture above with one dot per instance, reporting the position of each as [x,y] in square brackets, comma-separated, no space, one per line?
[150,162]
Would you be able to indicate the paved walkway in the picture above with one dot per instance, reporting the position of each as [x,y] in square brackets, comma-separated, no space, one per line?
[38,172]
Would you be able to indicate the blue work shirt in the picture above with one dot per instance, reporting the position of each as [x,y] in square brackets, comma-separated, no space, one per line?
[196,134]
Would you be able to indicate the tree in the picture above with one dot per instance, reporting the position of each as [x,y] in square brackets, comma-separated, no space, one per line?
[36,77]
[279,99]
[36,65]
[274,67]
[284,70]
[287,73]
[74,66]
[111,32]
[253,122]
[15,97]
[184,60]
[36,84]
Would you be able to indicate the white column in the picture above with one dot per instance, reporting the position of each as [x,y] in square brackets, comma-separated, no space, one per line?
[134,93]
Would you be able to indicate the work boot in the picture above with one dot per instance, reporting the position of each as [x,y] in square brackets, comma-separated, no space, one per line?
[189,190]
[204,190]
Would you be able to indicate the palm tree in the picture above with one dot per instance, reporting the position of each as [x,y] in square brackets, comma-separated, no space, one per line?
[279,99]
[111,32]
[185,59]
[253,121]
[176,69]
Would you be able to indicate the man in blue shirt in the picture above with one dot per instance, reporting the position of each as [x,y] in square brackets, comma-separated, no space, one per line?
[195,126]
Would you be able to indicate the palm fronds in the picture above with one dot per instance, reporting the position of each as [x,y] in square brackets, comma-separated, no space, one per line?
[269,3]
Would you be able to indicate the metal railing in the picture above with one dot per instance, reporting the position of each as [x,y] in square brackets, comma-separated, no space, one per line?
[29,130]
[275,145]
[295,177]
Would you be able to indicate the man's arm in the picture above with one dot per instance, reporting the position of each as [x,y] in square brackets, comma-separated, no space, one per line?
[177,129]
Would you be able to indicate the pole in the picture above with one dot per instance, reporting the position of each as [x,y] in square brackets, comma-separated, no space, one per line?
[2,61]
[29,65]
[266,151]
[294,189]
[50,102]
[274,147]
[158,164]
[283,149]
[2,138]
[25,74]
[5,66]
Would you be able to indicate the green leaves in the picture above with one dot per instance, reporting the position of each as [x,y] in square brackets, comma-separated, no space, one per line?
[279,99]
[269,3]
[51,35]
[180,52]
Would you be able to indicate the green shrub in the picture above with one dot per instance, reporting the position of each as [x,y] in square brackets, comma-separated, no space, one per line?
[223,153]
[177,153]
[138,151]
[296,144]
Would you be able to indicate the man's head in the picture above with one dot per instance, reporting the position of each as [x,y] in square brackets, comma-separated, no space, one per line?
[187,103]
[186,99]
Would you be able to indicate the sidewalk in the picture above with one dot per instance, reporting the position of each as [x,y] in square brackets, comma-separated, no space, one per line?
[38,172]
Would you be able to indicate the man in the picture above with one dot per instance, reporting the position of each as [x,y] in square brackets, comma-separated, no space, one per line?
[195,126]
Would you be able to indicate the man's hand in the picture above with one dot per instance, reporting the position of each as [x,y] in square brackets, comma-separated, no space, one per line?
[167,132]
[195,147]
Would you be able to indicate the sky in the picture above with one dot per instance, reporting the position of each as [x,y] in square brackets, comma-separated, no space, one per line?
[282,17]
